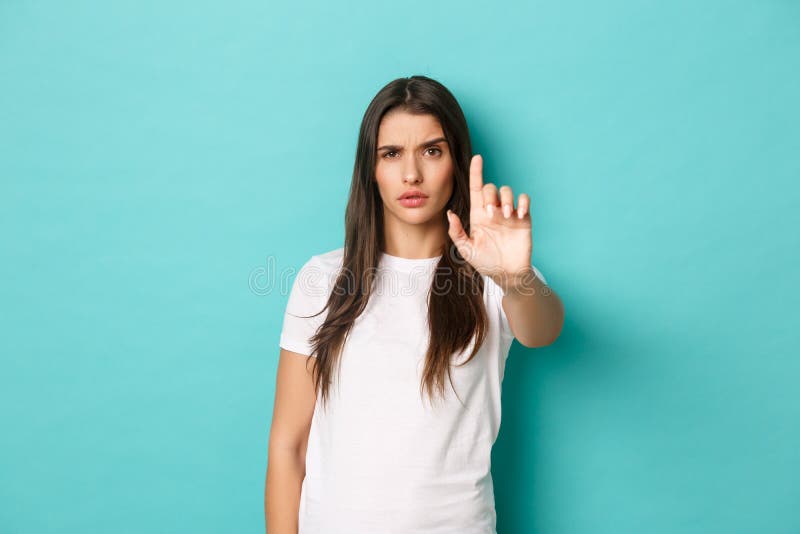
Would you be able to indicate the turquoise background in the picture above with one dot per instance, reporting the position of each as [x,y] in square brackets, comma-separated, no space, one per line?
[167,166]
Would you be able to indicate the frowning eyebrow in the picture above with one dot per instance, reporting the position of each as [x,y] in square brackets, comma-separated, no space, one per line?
[423,145]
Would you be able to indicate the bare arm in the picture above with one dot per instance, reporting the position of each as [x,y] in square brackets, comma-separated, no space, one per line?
[535,312]
[295,399]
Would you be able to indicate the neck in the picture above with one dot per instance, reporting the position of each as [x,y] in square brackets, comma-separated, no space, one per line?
[414,241]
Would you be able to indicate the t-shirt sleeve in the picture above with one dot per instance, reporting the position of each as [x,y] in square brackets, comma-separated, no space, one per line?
[307,297]
[497,297]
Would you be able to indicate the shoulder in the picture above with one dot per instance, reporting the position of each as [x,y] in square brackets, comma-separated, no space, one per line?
[320,269]
[332,259]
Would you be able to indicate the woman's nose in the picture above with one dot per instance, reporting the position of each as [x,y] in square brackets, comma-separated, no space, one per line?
[411,172]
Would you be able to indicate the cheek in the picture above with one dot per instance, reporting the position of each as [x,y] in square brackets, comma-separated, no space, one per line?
[384,176]
[445,180]
[380,177]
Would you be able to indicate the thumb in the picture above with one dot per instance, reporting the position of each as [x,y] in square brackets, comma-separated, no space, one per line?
[456,231]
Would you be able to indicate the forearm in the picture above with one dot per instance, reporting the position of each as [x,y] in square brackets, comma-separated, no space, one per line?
[535,312]
[285,472]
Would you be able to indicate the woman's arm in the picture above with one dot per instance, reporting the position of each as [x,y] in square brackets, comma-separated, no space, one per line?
[535,312]
[295,399]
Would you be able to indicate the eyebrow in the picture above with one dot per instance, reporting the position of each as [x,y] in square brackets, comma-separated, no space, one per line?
[423,145]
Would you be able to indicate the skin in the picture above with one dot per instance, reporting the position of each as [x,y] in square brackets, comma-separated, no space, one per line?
[292,412]
[405,162]
[500,245]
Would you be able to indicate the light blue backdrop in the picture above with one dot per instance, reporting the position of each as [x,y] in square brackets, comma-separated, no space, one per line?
[162,161]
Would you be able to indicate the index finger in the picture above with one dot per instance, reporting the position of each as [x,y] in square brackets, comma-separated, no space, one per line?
[476,182]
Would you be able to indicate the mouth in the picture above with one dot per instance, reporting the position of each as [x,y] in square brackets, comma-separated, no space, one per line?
[413,194]
[413,200]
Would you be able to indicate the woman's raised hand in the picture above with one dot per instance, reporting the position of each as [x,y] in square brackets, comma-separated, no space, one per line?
[500,242]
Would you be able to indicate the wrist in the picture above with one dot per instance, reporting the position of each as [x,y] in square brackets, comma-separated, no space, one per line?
[522,282]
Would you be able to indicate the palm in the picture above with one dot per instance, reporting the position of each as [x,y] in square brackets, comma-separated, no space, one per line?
[496,246]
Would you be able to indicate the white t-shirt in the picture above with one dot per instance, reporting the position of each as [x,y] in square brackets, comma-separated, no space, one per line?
[381,459]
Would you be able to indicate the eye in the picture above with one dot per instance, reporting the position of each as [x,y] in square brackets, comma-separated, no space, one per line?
[389,152]
[435,148]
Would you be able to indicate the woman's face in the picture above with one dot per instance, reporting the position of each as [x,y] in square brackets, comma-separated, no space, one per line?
[413,155]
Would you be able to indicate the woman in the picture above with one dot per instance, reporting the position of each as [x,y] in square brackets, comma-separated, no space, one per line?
[433,283]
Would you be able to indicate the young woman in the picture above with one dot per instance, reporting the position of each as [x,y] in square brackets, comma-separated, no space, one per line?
[433,283]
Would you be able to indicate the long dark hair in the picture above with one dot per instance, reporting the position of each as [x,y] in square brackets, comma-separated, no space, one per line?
[457,319]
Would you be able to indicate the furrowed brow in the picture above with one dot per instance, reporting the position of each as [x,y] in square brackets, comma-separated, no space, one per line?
[423,145]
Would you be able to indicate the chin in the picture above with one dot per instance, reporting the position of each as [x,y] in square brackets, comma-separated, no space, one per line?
[418,216]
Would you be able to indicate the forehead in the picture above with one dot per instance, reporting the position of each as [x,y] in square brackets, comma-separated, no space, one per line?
[400,126]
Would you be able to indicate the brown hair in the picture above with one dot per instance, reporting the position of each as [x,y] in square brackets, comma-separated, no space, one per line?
[456,319]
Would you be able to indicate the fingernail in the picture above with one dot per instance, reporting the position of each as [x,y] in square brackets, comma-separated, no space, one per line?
[519,213]
[490,209]
[506,211]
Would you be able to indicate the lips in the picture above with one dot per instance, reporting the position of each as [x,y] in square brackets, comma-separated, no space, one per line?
[413,194]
